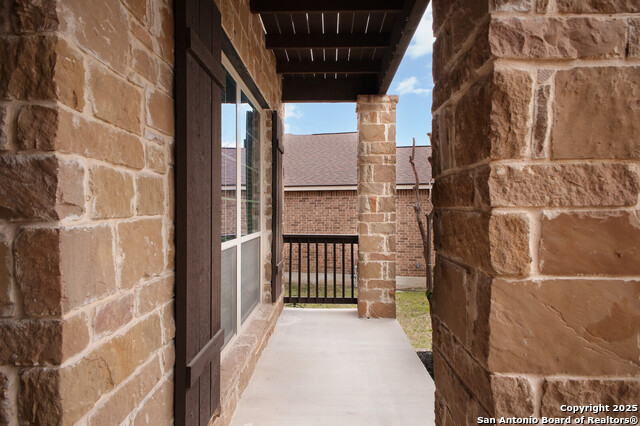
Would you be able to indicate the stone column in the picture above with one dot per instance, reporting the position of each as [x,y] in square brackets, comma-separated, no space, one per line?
[536,148]
[376,206]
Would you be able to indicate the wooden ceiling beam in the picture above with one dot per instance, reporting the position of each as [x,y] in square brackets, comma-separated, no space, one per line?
[320,67]
[327,41]
[326,6]
[328,90]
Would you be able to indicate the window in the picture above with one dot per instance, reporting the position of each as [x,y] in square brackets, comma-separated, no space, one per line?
[241,204]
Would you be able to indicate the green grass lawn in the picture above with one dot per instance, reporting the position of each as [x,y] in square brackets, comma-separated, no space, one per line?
[412,311]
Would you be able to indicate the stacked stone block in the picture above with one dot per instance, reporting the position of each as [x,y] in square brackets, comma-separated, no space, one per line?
[86,207]
[536,155]
[86,275]
[376,205]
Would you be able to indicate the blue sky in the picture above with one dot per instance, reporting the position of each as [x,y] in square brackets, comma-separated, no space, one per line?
[413,82]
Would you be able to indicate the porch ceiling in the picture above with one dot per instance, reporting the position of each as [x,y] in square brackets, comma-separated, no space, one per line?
[335,50]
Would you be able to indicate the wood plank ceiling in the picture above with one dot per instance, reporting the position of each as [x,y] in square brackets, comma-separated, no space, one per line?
[334,50]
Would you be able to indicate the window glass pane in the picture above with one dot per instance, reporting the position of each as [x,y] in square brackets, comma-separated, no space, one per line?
[249,118]
[250,276]
[228,293]
[229,213]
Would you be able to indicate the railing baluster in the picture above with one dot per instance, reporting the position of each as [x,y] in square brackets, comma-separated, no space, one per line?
[344,294]
[326,275]
[299,270]
[290,267]
[308,271]
[352,273]
[317,256]
[335,278]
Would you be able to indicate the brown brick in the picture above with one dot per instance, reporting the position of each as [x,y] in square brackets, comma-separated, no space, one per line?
[158,409]
[633,48]
[369,270]
[138,8]
[454,191]
[91,245]
[578,185]
[512,396]
[103,32]
[576,38]
[598,6]
[582,327]
[577,392]
[31,342]
[450,389]
[112,193]
[51,268]
[7,305]
[39,399]
[155,158]
[81,385]
[144,63]
[510,5]
[472,141]
[160,112]
[382,309]
[115,100]
[69,75]
[38,271]
[113,315]
[154,294]
[28,67]
[612,133]
[94,139]
[75,335]
[37,128]
[540,121]
[163,30]
[122,354]
[151,195]
[4,140]
[594,243]
[449,301]
[471,373]
[509,242]
[372,132]
[4,399]
[509,119]
[128,397]
[28,17]
[39,187]
[140,244]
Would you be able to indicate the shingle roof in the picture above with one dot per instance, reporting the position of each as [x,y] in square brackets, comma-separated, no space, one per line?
[330,159]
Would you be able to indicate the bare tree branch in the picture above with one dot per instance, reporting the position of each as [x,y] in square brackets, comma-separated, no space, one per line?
[425,234]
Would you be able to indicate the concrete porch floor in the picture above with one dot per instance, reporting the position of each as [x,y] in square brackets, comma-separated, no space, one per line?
[327,367]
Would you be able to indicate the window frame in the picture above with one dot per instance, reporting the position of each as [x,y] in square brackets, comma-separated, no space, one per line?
[237,242]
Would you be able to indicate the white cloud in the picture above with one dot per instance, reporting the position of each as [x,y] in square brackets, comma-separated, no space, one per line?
[408,86]
[292,111]
[422,43]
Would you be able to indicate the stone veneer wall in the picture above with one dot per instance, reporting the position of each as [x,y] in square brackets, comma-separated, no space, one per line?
[376,206]
[335,212]
[536,122]
[86,208]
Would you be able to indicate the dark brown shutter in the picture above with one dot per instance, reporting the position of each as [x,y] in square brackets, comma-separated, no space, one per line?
[277,261]
[199,77]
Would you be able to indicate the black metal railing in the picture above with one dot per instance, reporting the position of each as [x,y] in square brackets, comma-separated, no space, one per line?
[321,269]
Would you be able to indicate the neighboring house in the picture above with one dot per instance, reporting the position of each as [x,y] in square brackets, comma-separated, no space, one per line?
[320,178]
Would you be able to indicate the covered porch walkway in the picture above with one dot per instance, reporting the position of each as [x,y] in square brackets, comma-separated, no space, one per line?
[327,367]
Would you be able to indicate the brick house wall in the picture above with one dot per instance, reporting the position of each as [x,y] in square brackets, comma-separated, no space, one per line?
[335,212]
